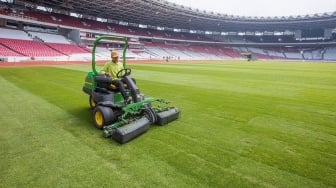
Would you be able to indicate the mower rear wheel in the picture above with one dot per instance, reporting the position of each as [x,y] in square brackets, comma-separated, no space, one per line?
[92,102]
[103,116]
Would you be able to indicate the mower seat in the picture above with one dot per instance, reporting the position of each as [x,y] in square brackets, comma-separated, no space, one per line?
[106,82]
[114,87]
[103,81]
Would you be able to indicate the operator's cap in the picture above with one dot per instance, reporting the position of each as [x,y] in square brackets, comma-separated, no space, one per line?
[114,54]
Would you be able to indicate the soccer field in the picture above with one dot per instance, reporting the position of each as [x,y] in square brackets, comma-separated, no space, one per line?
[242,124]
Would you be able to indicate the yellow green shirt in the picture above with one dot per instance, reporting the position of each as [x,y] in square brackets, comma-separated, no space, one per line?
[112,69]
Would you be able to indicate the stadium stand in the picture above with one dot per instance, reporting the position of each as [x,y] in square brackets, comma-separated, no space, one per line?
[14,34]
[51,38]
[293,53]
[56,33]
[29,48]
[275,53]
[330,53]
[67,49]
[312,54]
[4,51]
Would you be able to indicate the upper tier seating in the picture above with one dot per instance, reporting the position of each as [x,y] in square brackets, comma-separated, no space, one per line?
[61,19]
[188,50]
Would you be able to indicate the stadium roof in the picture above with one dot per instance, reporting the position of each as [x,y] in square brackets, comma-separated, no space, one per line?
[165,14]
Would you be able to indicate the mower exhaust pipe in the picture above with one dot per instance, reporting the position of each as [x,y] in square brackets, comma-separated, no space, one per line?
[130,131]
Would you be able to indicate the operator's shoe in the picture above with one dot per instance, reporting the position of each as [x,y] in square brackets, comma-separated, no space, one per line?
[128,100]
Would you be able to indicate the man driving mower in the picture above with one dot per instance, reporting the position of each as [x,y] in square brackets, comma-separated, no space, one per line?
[110,69]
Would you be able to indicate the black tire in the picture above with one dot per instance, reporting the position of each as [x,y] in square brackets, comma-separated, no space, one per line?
[92,102]
[103,116]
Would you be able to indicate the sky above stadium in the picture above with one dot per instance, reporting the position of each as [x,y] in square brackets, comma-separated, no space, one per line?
[262,7]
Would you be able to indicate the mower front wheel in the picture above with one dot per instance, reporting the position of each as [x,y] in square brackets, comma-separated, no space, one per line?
[103,116]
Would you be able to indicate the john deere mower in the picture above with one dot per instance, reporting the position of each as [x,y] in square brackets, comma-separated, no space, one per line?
[121,120]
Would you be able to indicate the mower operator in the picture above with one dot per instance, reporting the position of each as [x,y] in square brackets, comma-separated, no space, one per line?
[111,68]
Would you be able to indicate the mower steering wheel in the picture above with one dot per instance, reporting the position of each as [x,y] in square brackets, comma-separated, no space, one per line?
[124,72]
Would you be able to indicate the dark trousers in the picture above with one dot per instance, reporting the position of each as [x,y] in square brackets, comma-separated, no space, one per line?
[120,86]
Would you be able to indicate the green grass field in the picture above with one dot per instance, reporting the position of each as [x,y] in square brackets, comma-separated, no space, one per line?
[259,124]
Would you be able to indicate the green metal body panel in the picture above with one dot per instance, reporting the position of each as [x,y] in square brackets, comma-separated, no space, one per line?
[118,97]
[89,81]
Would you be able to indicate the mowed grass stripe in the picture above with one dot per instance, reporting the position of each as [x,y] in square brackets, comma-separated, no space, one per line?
[246,74]
[245,169]
[268,104]
[126,158]
[243,66]
[172,79]
[220,124]
[45,145]
[36,151]
[46,92]
[225,137]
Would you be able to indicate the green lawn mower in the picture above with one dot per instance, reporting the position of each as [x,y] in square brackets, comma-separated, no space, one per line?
[120,120]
